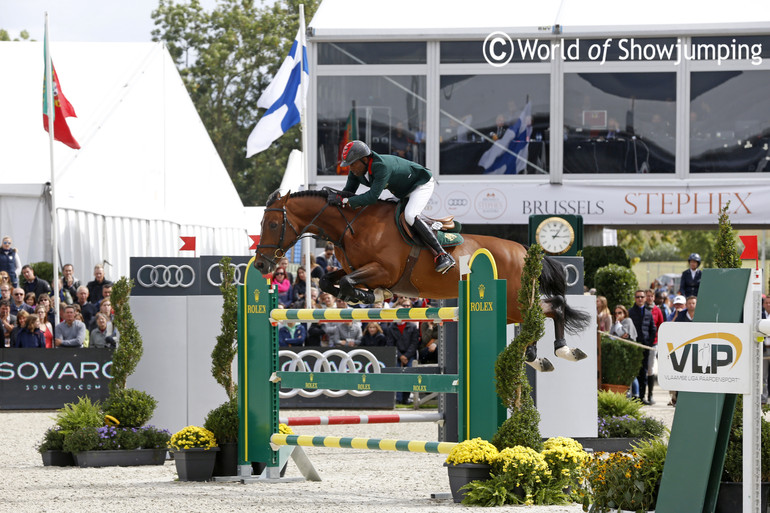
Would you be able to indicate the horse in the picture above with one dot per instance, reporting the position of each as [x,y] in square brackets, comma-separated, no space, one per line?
[374,258]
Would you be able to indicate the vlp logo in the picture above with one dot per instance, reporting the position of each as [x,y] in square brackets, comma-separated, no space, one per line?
[704,357]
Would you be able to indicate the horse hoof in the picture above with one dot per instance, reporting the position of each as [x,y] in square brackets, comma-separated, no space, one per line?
[541,365]
[572,355]
[380,295]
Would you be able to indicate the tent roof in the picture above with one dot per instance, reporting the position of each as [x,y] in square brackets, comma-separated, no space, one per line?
[431,19]
[145,152]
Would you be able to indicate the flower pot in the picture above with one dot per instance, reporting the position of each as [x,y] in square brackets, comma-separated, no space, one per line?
[57,459]
[618,389]
[462,474]
[226,462]
[609,444]
[120,458]
[195,464]
[730,497]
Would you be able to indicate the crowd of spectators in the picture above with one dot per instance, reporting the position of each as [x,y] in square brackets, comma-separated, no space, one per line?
[27,315]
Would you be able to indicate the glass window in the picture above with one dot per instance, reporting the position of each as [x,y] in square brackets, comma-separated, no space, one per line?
[525,50]
[372,53]
[619,122]
[494,124]
[729,121]
[388,113]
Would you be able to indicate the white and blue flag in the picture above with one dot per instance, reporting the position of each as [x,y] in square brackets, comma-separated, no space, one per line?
[283,98]
[509,155]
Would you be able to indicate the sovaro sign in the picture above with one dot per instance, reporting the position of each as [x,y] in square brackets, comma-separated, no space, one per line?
[704,357]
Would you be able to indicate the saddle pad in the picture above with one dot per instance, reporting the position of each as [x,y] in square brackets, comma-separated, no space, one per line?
[446,239]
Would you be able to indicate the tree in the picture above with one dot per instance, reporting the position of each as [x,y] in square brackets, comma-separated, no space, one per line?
[23,36]
[226,58]
[129,351]
[726,255]
[226,347]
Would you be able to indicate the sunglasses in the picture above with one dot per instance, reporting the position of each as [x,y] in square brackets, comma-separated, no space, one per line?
[639,297]
[620,312]
[279,274]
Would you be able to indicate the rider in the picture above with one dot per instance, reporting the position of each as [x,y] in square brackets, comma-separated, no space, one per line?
[403,178]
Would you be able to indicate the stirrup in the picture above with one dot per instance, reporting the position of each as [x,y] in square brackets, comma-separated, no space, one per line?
[449,262]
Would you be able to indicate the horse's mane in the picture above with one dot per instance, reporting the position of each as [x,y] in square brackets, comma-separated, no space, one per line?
[312,194]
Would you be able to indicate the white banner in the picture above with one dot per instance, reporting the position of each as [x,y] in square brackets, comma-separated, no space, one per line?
[704,357]
[513,203]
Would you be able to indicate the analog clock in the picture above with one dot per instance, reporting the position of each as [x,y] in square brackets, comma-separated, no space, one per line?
[555,235]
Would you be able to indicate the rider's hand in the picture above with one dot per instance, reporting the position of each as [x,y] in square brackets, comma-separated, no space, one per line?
[336,200]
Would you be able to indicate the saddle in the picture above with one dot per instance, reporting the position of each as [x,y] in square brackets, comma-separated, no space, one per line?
[448,234]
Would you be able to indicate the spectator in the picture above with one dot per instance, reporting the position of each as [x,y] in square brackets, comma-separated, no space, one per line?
[316,272]
[34,284]
[298,289]
[373,335]
[679,305]
[623,326]
[44,300]
[603,316]
[95,286]
[284,262]
[327,260]
[283,286]
[292,334]
[69,284]
[7,321]
[657,313]
[645,334]
[17,302]
[45,326]
[10,262]
[87,309]
[5,279]
[30,300]
[688,313]
[428,342]
[104,308]
[690,281]
[21,320]
[106,293]
[79,317]
[104,335]
[343,334]
[661,298]
[70,332]
[31,336]
[5,291]
[405,337]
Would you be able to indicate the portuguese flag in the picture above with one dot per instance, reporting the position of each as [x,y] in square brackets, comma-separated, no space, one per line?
[350,134]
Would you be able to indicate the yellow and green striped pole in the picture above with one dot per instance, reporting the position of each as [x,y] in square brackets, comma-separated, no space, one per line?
[361,443]
[365,314]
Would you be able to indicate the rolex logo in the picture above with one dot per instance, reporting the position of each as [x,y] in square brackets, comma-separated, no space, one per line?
[363,378]
[482,289]
[419,380]
[256,295]
[311,376]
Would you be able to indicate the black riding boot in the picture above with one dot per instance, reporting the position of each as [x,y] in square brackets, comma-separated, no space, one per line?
[441,258]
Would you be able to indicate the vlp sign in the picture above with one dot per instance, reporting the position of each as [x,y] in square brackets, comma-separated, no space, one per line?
[704,357]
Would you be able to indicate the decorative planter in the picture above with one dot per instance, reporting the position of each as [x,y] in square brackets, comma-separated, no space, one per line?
[58,459]
[120,458]
[195,464]
[618,389]
[608,444]
[462,474]
[730,497]
[226,461]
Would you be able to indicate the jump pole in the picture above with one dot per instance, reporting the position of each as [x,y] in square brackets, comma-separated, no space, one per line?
[481,317]
[332,420]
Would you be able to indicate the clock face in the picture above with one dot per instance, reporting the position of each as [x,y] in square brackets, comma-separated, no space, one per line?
[555,235]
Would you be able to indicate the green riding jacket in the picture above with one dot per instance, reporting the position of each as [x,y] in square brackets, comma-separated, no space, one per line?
[398,175]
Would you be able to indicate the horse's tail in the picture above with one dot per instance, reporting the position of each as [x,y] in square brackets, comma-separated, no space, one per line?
[553,282]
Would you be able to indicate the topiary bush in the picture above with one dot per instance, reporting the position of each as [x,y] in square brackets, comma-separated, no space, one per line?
[618,284]
[129,351]
[620,361]
[132,408]
[223,422]
[596,257]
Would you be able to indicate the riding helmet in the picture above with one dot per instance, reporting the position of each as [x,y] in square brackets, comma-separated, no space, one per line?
[694,256]
[353,151]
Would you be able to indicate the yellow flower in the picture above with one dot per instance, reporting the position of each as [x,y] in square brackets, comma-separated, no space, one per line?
[472,451]
[192,437]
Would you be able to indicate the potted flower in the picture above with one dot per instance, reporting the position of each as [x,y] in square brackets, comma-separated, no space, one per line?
[224,423]
[622,423]
[566,459]
[468,461]
[52,449]
[194,451]
[107,446]
[620,364]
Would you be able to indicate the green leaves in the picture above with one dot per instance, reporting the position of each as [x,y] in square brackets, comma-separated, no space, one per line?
[129,351]
[226,347]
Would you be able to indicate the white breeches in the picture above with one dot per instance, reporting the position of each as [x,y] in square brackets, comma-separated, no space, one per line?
[417,201]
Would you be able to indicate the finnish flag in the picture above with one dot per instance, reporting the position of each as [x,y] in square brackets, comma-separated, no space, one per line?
[283,98]
[509,155]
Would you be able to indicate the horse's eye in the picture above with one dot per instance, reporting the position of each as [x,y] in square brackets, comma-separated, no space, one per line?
[273,225]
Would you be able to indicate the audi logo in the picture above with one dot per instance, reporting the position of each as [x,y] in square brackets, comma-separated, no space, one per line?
[331,360]
[457,202]
[238,275]
[161,276]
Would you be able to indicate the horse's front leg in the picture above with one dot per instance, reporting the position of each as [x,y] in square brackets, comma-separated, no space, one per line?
[553,307]
[350,284]
[329,282]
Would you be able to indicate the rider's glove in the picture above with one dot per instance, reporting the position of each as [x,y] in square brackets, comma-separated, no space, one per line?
[336,200]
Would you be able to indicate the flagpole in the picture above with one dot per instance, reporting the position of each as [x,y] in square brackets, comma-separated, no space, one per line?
[303,130]
[54,220]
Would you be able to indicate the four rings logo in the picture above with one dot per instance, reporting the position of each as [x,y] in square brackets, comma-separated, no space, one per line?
[457,202]
[238,275]
[161,276]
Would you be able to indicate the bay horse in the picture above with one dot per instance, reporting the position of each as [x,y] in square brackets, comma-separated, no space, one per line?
[374,257]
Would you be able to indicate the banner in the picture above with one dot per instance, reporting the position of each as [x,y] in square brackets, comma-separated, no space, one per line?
[44,379]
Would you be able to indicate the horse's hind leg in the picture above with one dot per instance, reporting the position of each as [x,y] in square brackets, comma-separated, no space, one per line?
[553,307]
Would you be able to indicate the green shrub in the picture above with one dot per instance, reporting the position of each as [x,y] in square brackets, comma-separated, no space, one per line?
[77,415]
[154,438]
[132,408]
[130,438]
[82,439]
[596,257]
[43,270]
[223,422]
[226,348]
[129,351]
[616,405]
[617,284]
[628,426]
[733,469]
[620,361]
[53,440]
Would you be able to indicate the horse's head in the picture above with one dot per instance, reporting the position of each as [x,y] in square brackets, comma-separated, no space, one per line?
[278,234]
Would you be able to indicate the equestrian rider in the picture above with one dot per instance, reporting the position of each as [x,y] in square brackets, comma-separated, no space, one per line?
[690,281]
[403,178]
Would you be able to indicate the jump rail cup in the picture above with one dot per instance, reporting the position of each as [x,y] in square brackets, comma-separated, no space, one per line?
[481,327]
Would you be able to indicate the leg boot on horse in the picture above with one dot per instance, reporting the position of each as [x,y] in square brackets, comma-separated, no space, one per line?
[442,259]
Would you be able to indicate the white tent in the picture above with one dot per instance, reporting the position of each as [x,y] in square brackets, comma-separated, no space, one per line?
[147,172]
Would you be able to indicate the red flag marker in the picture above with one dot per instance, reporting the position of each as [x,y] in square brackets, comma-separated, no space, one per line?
[750,251]
[189,244]
[255,241]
